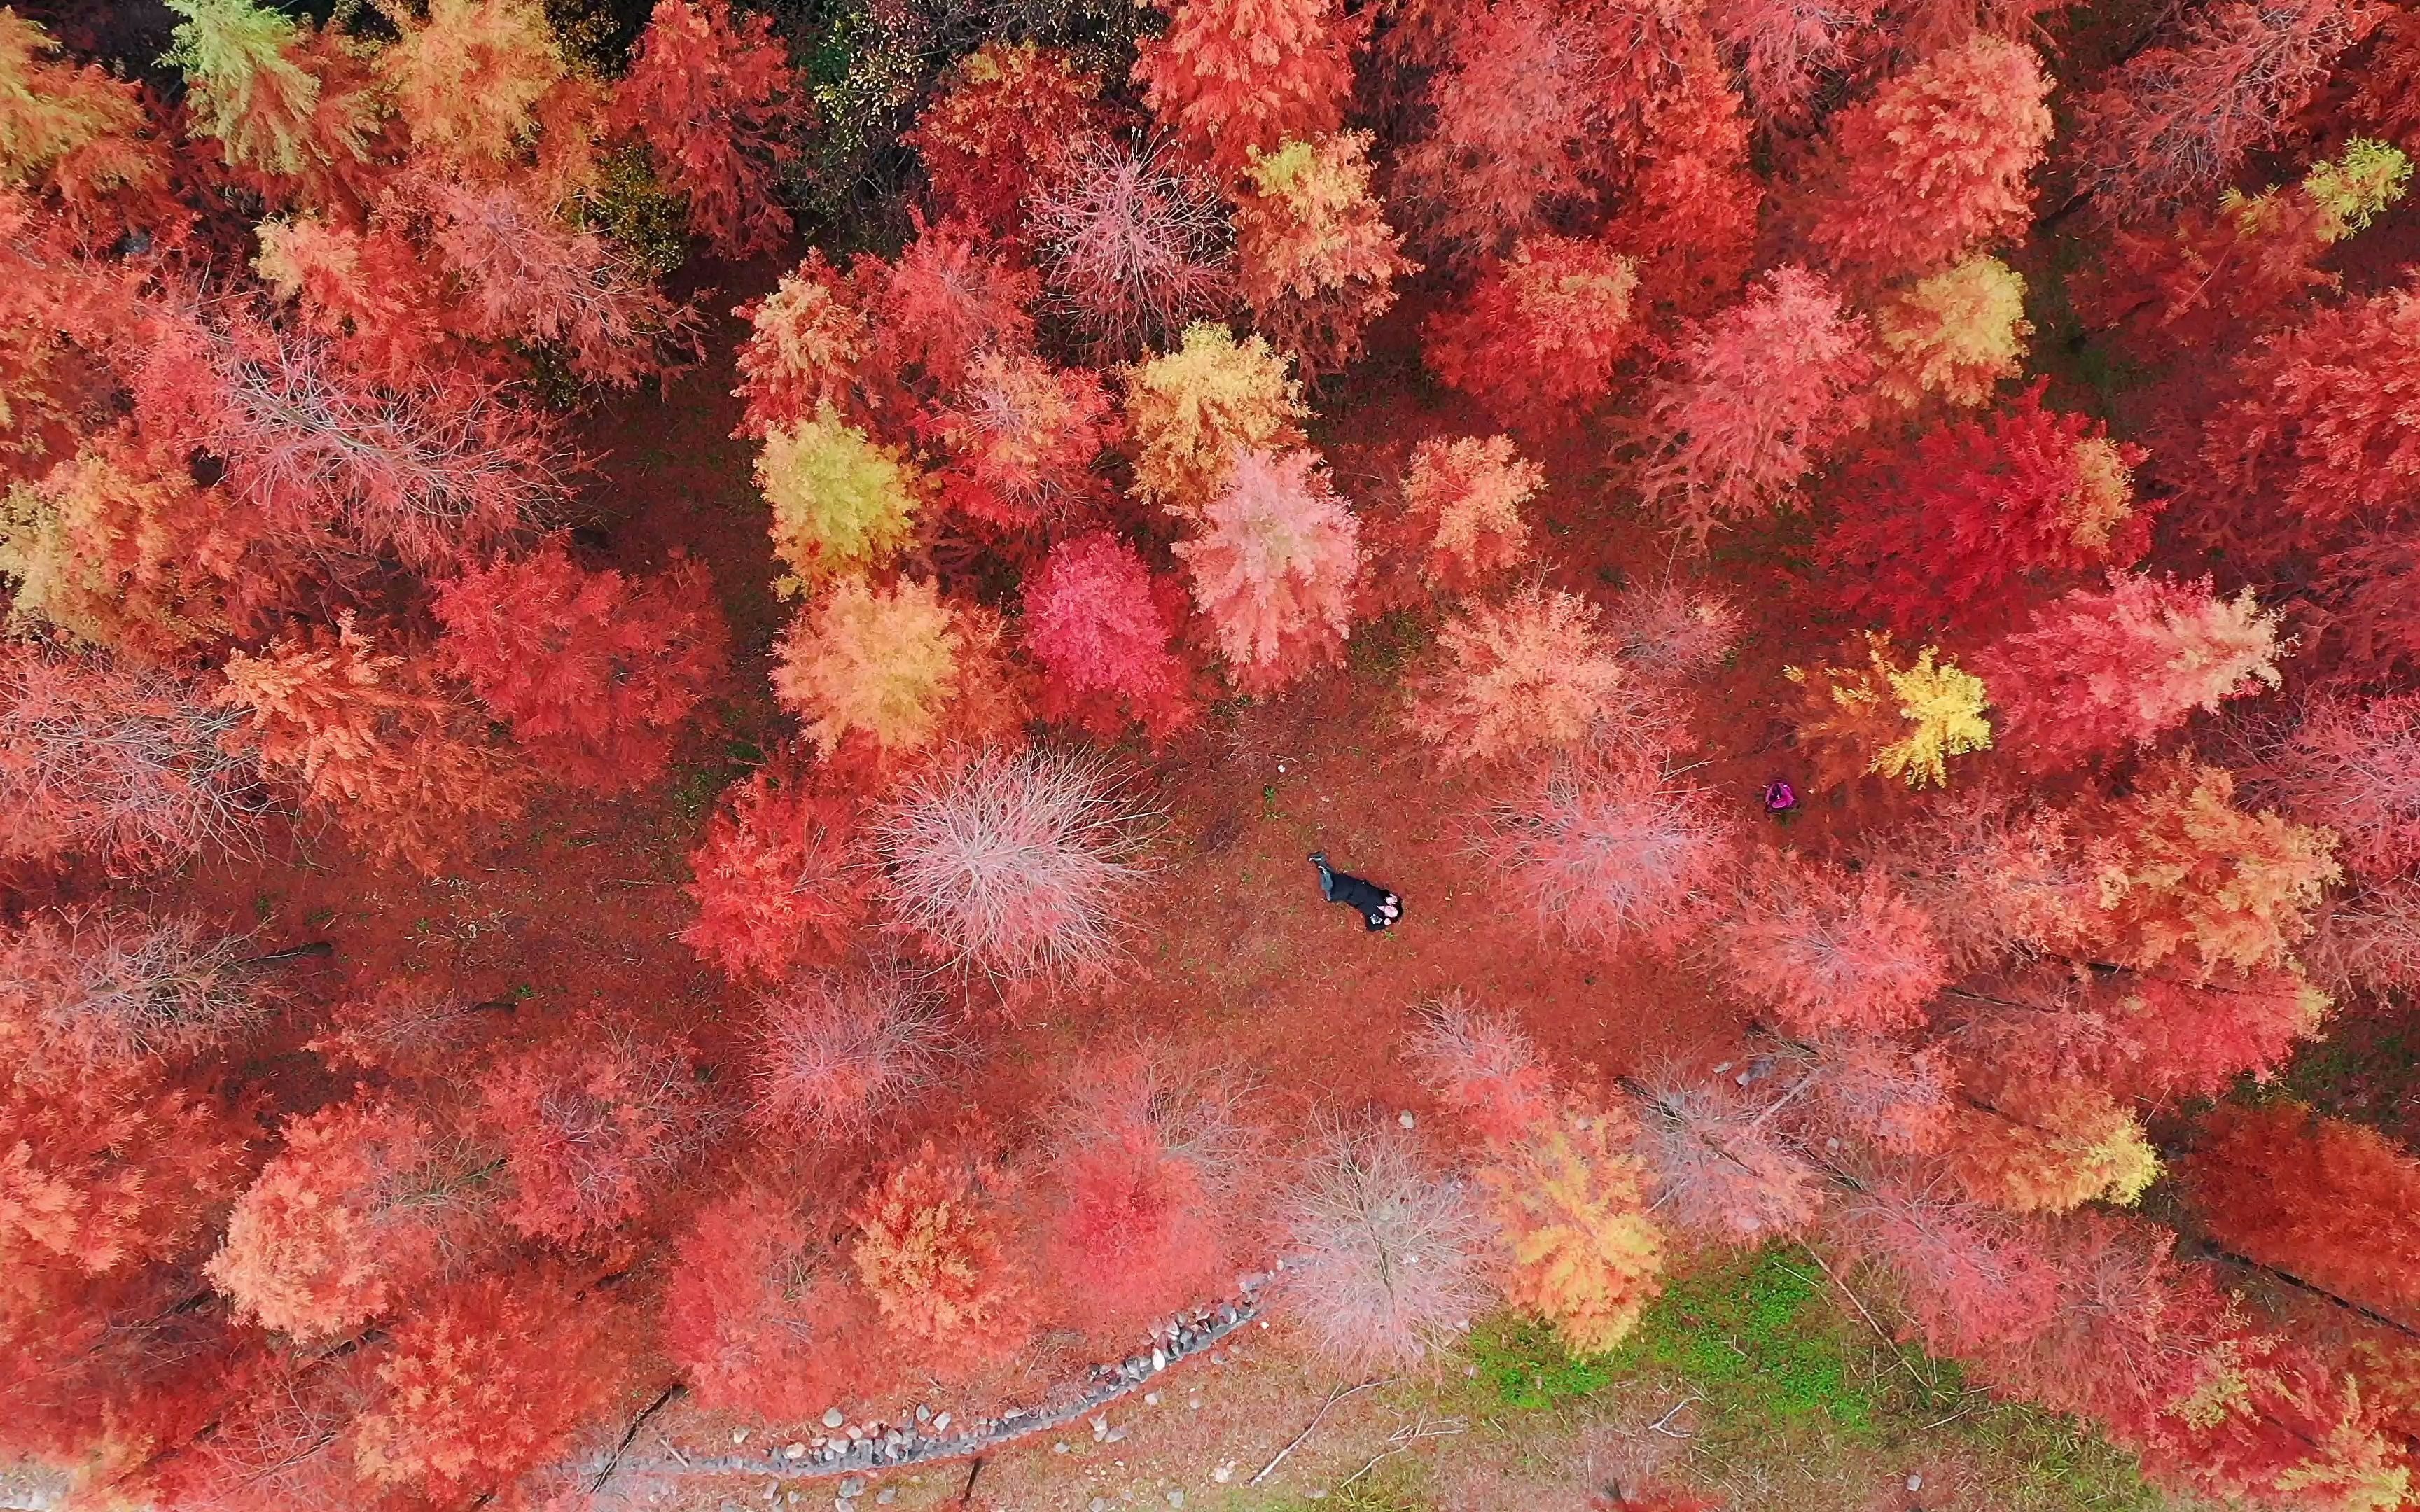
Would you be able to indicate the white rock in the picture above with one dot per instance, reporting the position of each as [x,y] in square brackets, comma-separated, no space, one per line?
[886,1496]
[1224,1473]
[739,1435]
[1406,1119]
[1151,1398]
[835,1417]
[793,1451]
[1101,1427]
[1916,1481]
[1158,1361]
[942,1423]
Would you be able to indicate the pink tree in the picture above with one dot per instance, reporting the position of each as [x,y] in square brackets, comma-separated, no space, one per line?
[1613,853]
[1824,949]
[2101,669]
[2353,765]
[1273,569]
[1719,1163]
[1133,246]
[835,1050]
[592,1132]
[1758,395]
[1101,625]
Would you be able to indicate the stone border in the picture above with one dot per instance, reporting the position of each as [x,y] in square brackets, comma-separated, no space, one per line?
[913,1444]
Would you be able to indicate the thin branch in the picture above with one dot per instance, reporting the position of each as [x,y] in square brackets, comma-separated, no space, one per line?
[1338,1394]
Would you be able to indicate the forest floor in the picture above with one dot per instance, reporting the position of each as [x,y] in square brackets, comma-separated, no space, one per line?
[1755,1376]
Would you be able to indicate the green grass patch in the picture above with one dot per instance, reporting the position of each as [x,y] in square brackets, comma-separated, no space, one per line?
[1525,1364]
[1761,1342]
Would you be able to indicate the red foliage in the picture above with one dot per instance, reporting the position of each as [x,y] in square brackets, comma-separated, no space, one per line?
[350,1217]
[2101,669]
[1790,47]
[594,671]
[435,472]
[835,1050]
[528,278]
[1979,512]
[1613,852]
[1273,569]
[1101,625]
[87,990]
[807,341]
[137,769]
[2213,278]
[994,132]
[759,1313]
[2353,766]
[1485,1066]
[106,1169]
[1463,502]
[1232,77]
[931,1247]
[2175,121]
[2384,102]
[1155,1174]
[1537,340]
[1934,164]
[592,1129]
[2330,1202]
[1689,217]
[1519,102]
[1974,1281]
[483,1382]
[718,105]
[945,302]
[1022,440]
[398,760]
[778,883]
[2315,432]
[1824,949]
[1760,393]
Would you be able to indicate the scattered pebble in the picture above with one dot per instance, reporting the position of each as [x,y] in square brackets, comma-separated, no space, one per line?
[1224,1473]
[1406,1119]
[739,1435]
[886,1496]
[1176,1498]
[793,1451]
[1059,1448]
[1151,1398]
[835,1417]
[1193,1403]
[942,1423]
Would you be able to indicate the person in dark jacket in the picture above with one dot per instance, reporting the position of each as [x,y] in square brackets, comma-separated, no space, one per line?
[1380,909]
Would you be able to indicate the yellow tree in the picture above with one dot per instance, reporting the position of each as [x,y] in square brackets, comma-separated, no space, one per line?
[1193,409]
[1570,1198]
[1888,721]
[841,503]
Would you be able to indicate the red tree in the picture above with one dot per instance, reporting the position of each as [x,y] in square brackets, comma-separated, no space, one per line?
[1689,218]
[933,1248]
[138,769]
[945,302]
[354,1215]
[1788,48]
[2175,120]
[2101,669]
[760,1313]
[1760,393]
[484,1382]
[806,345]
[1826,949]
[1234,77]
[1960,525]
[1022,440]
[85,989]
[995,131]
[397,758]
[594,671]
[1317,264]
[2314,432]
[1537,340]
[2331,1202]
[1934,164]
[778,883]
[1153,1170]
[1485,1066]
[715,100]
[592,1130]
[1101,625]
